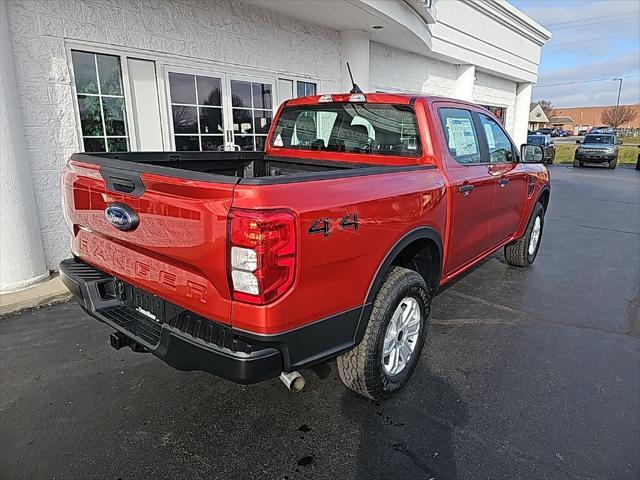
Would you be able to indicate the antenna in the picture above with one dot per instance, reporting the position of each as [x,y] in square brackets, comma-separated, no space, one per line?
[356,88]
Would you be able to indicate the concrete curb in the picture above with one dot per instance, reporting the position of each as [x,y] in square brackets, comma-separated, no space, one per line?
[46,293]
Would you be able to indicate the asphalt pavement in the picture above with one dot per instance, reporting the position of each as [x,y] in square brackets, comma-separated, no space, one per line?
[527,374]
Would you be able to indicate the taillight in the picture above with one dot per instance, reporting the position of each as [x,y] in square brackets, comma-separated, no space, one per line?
[262,254]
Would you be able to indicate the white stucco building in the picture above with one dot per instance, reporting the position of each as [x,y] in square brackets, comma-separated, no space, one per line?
[163,75]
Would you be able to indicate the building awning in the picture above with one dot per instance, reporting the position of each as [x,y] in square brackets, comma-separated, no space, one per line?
[563,120]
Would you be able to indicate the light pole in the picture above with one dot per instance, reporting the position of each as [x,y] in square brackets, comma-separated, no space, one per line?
[619,90]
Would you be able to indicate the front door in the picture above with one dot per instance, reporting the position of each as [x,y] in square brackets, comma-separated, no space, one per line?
[217,111]
[510,179]
[471,188]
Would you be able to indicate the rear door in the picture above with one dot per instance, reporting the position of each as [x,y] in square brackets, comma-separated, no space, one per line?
[472,188]
[509,177]
[176,251]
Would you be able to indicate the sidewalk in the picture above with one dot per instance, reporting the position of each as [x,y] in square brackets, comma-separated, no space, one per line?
[45,293]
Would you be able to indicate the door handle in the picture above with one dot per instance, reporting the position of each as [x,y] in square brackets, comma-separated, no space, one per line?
[503,182]
[465,189]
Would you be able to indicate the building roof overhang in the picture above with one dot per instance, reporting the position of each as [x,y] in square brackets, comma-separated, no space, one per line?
[491,34]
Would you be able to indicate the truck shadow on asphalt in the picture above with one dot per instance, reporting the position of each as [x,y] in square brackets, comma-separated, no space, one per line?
[410,435]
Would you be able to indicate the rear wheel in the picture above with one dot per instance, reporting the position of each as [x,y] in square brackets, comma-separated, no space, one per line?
[384,360]
[613,163]
[523,251]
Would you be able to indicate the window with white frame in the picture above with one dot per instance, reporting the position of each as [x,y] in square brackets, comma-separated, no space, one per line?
[101,102]
[252,113]
[305,89]
[295,88]
[196,109]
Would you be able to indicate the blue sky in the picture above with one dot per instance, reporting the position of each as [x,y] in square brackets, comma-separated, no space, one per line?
[590,40]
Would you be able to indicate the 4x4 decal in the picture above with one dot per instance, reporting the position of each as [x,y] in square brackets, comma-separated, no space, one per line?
[327,226]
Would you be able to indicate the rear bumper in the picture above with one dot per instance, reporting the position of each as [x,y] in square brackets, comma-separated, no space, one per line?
[187,341]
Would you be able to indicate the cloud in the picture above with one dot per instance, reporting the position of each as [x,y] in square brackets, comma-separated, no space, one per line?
[590,40]
[591,68]
[592,94]
[587,26]
[567,16]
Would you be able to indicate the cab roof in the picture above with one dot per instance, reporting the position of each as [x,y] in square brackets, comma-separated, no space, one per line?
[372,97]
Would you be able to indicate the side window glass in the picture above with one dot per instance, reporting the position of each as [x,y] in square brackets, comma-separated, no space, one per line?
[497,141]
[460,134]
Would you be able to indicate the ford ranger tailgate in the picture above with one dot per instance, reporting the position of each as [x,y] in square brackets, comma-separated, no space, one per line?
[162,234]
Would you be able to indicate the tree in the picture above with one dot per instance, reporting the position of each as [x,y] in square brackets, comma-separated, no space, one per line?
[547,108]
[617,116]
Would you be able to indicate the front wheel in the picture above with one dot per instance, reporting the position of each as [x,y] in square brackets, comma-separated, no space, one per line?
[382,363]
[613,163]
[576,163]
[523,252]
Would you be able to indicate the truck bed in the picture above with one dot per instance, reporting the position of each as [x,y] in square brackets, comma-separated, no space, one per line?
[252,168]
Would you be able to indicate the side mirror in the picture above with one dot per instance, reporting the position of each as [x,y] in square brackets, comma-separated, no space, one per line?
[532,153]
[578,142]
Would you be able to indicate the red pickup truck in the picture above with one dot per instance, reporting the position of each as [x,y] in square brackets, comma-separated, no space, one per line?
[330,243]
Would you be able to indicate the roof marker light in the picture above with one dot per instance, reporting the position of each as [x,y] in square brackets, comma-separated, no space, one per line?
[357,97]
[325,99]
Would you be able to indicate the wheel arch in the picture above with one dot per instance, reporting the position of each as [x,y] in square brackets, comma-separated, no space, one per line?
[543,197]
[419,250]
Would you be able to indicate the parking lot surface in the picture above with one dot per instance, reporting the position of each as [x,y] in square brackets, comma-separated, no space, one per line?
[526,374]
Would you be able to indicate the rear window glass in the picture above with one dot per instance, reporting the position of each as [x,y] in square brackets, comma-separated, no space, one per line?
[378,129]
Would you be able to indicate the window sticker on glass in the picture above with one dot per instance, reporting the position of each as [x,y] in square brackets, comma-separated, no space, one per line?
[461,135]
[489,134]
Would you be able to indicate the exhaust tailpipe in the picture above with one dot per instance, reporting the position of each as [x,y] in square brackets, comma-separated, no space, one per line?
[293,381]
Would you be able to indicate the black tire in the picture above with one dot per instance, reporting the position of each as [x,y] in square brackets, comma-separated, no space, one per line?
[361,369]
[517,253]
[613,163]
[576,163]
[638,163]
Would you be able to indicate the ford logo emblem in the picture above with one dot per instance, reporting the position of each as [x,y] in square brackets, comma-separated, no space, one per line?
[121,216]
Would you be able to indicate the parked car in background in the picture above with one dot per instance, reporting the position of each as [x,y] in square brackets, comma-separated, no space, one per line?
[603,129]
[583,131]
[548,131]
[597,148]
[547,143]
[240,263]
[564,133]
